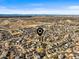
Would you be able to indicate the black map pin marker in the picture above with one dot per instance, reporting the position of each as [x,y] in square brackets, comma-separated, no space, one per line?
[40,31]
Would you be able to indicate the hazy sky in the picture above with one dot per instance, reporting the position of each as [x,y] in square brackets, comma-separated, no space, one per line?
[39,7]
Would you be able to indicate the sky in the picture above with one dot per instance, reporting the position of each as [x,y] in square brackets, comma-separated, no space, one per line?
[63,7]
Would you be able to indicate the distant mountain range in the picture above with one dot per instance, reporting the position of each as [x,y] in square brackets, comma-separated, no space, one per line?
[30,15]
[15,15]
[23,14]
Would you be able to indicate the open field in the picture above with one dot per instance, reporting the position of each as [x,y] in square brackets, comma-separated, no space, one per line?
[19,38]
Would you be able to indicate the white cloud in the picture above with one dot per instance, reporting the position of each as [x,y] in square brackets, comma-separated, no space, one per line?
[74,7]
[4,10]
